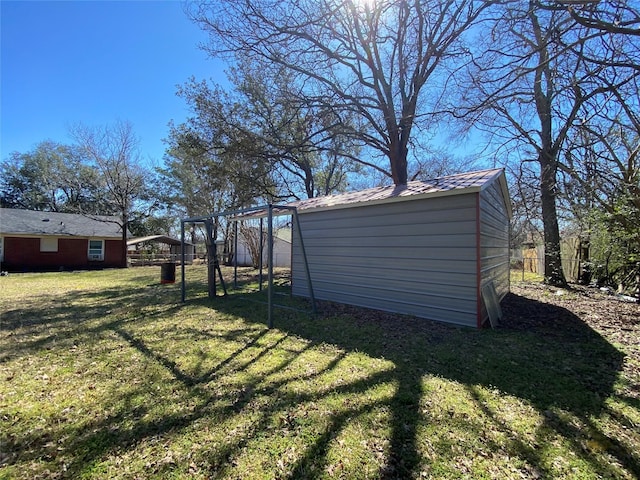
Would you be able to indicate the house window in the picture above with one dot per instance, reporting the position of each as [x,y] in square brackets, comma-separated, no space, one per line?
[48,244]
[1,249]
[96,250]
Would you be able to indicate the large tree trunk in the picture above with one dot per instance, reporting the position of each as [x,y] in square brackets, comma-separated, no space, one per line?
[398,152]
[210,242]
[124,251]
[553,274]
[543,89]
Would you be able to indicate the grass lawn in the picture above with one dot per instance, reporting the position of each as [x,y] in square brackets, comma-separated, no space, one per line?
[107,375]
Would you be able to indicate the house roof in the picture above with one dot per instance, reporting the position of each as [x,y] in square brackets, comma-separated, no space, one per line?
[29,222]
[450,185]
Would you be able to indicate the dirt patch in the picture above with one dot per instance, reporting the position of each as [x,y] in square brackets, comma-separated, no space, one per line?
[615,320]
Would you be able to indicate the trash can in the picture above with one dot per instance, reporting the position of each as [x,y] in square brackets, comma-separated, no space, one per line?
[168,272]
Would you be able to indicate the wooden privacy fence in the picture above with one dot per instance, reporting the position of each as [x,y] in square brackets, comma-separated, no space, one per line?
[531,259]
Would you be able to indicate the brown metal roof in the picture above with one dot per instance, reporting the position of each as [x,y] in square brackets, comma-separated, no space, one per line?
[449,185]
[460,183]
[156,238]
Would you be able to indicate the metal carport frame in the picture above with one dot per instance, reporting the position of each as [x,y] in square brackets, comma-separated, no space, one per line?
[246,213]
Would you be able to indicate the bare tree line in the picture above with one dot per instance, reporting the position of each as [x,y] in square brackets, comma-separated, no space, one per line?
[329,95]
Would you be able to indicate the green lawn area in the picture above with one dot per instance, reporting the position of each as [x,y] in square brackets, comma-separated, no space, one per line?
[518,275]
[107,374]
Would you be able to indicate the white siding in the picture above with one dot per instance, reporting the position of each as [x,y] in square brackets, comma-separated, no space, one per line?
[281,254]
[416,257]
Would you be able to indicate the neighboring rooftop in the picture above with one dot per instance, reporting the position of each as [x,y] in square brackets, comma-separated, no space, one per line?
[156,238]
[30,222]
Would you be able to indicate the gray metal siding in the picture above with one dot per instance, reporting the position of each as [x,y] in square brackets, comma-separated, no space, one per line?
[494,240]
[416,257]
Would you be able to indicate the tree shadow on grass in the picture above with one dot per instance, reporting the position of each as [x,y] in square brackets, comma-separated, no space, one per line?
[556,365]
[62,321]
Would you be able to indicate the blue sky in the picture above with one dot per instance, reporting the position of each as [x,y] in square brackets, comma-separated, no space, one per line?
[96,62]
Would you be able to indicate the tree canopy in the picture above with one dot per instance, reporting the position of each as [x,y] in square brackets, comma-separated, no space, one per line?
[52,177]
[375,62]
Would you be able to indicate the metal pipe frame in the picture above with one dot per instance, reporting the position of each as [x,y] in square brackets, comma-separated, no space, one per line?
[269,211]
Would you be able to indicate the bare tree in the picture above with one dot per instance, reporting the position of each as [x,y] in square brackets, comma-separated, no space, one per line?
[255,241]
[529,87]
[612,16]
[114,150]
[373,60]
[601,172]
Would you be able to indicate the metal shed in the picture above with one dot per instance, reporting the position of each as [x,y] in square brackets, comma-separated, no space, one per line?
[427,249]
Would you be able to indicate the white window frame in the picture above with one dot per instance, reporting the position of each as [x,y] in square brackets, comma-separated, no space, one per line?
[93,254]
[48,244]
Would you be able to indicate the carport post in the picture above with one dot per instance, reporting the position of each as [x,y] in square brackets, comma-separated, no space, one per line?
[182,258]
[235,254]
[261,250]
[270,267]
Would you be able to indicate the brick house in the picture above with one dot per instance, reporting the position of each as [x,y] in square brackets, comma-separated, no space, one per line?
[36,241]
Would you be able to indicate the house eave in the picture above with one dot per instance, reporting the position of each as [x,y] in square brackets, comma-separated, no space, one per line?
[57,235]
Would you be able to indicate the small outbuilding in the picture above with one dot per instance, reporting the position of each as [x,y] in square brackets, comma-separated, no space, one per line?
[33,240]
[250,242]
[169,250]
[432,249]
